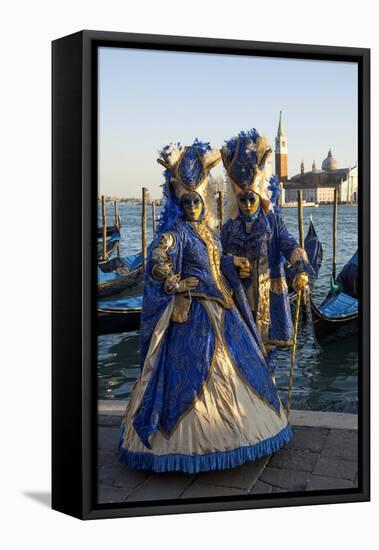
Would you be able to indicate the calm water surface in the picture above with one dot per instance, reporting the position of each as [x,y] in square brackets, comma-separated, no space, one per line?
[325,379]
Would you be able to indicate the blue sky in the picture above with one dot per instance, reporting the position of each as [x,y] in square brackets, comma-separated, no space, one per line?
[149,98]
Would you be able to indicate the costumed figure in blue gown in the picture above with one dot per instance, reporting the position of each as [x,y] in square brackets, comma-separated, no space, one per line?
[257,232]
[205,399]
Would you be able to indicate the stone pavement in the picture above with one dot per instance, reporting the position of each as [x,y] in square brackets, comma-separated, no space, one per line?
[321,455]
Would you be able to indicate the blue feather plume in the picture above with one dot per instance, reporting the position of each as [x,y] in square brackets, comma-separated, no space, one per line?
[242,169]
[274,187]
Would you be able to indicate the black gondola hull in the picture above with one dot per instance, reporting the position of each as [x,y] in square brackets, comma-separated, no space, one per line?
[329,331]
[131,283]
[112,321]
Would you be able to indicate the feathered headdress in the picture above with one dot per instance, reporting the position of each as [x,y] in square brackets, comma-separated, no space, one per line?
[186,170]
[246,159]
[189,166]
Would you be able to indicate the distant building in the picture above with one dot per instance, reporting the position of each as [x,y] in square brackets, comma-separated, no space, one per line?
[316,185]
[281,153]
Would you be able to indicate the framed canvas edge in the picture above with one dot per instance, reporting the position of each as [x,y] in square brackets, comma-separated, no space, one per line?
[89,509]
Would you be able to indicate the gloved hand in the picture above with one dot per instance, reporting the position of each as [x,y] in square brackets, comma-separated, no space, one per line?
[188,284]
[243,265]
[300,281]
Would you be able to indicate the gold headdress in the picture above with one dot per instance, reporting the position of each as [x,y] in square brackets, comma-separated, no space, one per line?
[189,166]
[246,159]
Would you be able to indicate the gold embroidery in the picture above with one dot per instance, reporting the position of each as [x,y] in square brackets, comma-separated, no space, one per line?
[298,254]
[214,261]
[182,304]
[263,313]
[279,285]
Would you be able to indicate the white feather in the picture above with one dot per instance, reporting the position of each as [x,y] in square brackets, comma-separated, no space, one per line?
[211,204]
[231,204]
[172,153]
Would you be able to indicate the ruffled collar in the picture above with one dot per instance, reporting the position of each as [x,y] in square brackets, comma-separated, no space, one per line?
[250,218]
[251,236]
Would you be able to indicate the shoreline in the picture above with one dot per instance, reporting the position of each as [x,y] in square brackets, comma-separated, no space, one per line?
[306,418]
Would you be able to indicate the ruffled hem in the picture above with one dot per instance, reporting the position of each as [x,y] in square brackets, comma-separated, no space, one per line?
[220,460]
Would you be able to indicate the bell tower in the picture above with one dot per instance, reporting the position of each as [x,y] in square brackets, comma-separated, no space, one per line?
[281,155]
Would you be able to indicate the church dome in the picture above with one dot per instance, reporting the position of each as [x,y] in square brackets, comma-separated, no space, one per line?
[330,162]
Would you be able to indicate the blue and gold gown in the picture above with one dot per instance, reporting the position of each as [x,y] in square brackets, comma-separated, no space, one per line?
[206,399]
[267,244]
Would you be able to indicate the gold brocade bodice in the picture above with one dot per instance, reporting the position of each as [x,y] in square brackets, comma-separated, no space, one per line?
[206,235]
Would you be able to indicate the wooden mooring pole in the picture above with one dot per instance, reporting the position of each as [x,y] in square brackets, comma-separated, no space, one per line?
[335,204]
[116,219]
[154,215]
[144,225]
[305,297]
[300,217]
[104,217]
[221,195]
[117,224]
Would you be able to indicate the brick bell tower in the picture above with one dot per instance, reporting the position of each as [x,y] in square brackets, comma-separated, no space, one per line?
[281,155]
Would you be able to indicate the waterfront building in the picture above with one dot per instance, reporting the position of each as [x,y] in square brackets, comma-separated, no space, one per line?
[316,185]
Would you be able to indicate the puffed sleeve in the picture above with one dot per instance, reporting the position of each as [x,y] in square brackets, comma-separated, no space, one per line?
[162,267]
[289,246]
[293,253]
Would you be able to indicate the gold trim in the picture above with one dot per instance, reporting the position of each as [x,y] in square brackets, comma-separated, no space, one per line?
[206,236]
[279,285]
[182,304]
[280,342]
[263,311]
[211,298]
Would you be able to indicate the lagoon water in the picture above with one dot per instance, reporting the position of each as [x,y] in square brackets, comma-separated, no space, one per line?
[325,379]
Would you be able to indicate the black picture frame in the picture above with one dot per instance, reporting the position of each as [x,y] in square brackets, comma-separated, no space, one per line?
[74,176]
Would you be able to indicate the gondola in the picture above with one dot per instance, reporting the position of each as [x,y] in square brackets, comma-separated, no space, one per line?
[313,248]
[119,315]
[111,230]
[120,274]
[337,317]
[111,242]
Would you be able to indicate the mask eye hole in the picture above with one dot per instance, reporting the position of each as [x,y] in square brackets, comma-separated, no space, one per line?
[249,198]
[190,202]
